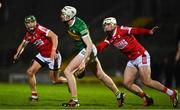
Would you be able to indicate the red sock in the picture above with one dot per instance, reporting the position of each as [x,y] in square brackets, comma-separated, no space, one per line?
[34,93]
[165,89]
[142,94]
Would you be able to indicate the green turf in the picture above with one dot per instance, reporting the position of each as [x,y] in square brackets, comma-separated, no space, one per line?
[94,96]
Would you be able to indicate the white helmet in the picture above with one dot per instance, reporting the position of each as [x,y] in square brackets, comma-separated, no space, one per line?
[69,12]
[109,20]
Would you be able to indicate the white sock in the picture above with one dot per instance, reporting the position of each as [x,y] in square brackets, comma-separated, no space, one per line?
[35,97]
[76,100]
[169,92]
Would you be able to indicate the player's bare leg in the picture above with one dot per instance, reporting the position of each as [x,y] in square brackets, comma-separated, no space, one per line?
[100,74]
[69,73]
[55,78]
[145,74]
[129,77]
[32,79]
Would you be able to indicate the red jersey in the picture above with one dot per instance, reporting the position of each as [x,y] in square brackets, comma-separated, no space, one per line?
[40,40]
[123,38]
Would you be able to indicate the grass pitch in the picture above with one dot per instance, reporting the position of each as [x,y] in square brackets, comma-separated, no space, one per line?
[91,95]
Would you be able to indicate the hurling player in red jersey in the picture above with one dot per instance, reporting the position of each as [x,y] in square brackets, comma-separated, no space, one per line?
[46,42]
[139,59]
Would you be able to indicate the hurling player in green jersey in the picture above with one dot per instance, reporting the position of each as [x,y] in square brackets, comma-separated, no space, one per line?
[87,56]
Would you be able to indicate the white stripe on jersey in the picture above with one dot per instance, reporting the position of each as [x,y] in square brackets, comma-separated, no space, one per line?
[47,32]
[106,41]
[87,35]
[44,29]
[127,28]
[115,32]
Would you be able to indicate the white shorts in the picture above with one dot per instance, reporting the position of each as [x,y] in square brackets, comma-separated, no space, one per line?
[53,65]
[93,54]
[143,60]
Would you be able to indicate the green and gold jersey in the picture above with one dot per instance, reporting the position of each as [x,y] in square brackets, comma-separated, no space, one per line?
[77,31]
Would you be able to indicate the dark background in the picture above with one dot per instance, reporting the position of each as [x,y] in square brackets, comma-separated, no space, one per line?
[138,13]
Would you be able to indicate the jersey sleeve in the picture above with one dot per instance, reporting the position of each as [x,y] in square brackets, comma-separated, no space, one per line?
[136,31]
[139,31]
[83,30]
[125,29]
[26,38]
[43,30]
[102,45]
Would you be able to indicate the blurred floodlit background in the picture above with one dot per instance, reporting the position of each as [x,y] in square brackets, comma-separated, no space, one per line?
[139,13]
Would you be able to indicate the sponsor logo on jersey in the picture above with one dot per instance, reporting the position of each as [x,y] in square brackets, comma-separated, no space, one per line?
[38,42]
[121,44]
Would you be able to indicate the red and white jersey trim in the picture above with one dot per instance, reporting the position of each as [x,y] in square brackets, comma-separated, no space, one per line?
[45,30]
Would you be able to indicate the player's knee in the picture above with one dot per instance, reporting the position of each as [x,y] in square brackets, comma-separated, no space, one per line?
[66,72]
[127,84]
[30,72]
[147,82]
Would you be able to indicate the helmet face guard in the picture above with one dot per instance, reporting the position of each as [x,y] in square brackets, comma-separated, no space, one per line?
[109,25]
[64,17]
[30,23]
[67,13]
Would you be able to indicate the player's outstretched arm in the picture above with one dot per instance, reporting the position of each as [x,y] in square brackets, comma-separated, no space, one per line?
[101,46]
[139,31]
[20,50]
[153,30]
